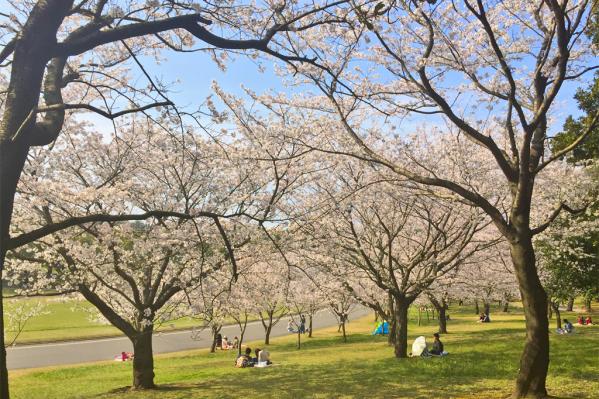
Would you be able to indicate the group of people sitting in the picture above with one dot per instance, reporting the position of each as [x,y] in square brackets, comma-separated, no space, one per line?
[262,358]
[484,318]
[582,321]
[225,344]
[568,328]
[293,327]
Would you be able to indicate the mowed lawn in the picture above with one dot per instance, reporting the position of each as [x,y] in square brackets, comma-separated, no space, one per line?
[70,319]
[483,363]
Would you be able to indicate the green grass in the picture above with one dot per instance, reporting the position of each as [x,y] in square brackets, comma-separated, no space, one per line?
[483,364]
[69,319]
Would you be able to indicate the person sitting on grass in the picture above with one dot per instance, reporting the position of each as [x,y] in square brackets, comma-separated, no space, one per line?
[580,320]
[244,359]
[264,357]
[589,321]
[291,326]
[568,327]
[437,348]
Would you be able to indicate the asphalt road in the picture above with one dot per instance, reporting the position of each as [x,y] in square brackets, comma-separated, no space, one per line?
[73,352]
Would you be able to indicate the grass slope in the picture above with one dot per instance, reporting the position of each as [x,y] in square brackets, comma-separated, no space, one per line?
[482,364]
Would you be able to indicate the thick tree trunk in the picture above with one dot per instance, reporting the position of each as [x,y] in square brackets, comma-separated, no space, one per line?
[570,306]
[215,331]
[534,361]
[401,332]
[476,307]
[442,320]
[267,334]
[392,330]
[487,308]
[143,361]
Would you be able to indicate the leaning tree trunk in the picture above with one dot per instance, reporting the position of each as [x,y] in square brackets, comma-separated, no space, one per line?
[401,331]
[267,334]
[558,318]
[534,361]
[215,331]
[570,305]
[143,360]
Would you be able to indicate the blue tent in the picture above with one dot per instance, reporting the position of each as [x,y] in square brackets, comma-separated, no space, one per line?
[381,329]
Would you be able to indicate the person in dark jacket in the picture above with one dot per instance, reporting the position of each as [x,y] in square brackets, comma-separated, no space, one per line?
[437,348]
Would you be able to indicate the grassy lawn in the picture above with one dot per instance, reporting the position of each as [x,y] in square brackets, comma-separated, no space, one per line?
[68,319]
[483,362]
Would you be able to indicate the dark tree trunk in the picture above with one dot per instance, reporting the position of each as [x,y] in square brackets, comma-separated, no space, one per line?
[558,318]
[506,306]
[392,330]
[534,362]
[143,361]
[343,330]
[215,331]
[299,339]
[310,325]
[442,320]
[267,335]
[476,308]
[570,306]
[3,369]
[401,331]
[550,311]
[487,308]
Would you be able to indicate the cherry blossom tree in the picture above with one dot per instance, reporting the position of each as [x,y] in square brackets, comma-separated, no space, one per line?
[401,243]
[64,57]
[463,65]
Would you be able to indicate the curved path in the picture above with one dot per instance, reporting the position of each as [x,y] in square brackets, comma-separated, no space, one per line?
[73,352]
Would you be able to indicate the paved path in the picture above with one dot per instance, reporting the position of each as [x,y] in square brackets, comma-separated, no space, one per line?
[74,352]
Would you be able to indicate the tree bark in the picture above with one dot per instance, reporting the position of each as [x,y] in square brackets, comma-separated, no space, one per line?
[215,331]
[442,320]
[310,324]
[570,306]
[487,308]
[476,308]
[506,306]
[558,318]
[267,335]
[343,330]
[401,331]
[392,330]
[143,360]
[3,370]
[534,362]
